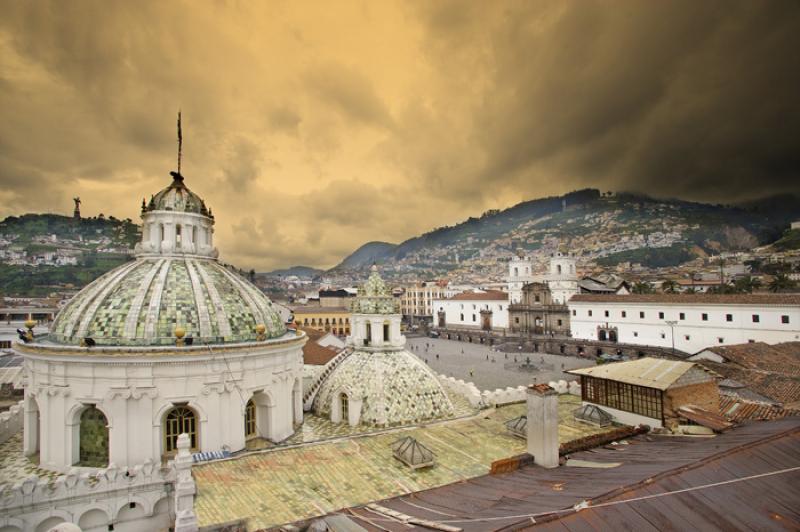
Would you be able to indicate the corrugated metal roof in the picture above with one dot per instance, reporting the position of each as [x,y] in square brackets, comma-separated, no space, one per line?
[655,373]
[650,462]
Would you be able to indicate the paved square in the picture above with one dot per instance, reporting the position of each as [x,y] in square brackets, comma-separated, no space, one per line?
[490,369]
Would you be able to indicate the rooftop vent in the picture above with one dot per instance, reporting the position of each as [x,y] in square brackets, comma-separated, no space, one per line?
[593,415]
[518,426]
[412,453]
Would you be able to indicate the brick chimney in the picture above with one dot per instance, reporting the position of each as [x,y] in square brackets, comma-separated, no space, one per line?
[543,425]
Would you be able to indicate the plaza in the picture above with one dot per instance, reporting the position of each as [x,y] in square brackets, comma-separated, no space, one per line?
[469,362]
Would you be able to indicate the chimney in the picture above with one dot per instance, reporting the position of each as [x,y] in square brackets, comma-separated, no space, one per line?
[543,425]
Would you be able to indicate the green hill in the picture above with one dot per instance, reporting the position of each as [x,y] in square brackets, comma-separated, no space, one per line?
[32,243]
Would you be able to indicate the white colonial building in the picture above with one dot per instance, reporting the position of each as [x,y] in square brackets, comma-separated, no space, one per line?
[170,343]
[692,322]
[485,310]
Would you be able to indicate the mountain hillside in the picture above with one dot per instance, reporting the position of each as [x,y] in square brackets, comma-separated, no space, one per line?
[43,253]
[299,271]
[367,255]
[602,227]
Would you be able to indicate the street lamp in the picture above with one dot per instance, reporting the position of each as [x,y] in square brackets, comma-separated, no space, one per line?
[672,324]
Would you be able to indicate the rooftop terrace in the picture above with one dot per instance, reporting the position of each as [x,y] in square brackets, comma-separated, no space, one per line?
[287,484]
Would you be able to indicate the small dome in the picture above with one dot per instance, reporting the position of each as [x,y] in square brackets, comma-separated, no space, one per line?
[145,301]
[177,197]
[396,388]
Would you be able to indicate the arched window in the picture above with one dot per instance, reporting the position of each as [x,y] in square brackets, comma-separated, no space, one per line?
[194,234]
[179,420]
[250,419]
[93,438]
[161,228]
[178,235]
[345,407]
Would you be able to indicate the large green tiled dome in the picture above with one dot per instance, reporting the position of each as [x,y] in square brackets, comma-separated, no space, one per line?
[142,303]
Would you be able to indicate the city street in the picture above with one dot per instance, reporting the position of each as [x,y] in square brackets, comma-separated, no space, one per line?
[469,362]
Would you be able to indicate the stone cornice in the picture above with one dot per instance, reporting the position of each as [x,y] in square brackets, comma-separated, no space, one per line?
[165,352]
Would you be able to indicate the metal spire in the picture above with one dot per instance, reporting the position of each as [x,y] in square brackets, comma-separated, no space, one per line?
[180,141]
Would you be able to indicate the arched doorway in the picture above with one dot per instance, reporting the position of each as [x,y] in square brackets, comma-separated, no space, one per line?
[250,420]
[601,335]
[180,420]
[93,438]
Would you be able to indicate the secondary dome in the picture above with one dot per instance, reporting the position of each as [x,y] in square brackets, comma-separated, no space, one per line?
[388,388]
[144,301]
[176,197]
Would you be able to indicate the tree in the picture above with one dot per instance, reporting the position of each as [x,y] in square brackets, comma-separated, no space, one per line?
[781,283]
[669,286]
[642,288]
[747,284]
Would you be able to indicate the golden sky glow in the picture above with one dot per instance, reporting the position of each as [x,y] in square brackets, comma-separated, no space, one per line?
[311,128]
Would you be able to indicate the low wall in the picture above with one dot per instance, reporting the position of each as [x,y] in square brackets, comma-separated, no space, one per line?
[130,499]
[501,396]
[11,421]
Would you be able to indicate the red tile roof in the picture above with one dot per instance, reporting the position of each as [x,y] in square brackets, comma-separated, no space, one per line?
[489,295]
[739,411]
[692,299]
[316,354]
[779,358]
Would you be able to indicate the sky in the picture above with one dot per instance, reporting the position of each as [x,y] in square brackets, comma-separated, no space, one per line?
[311,128]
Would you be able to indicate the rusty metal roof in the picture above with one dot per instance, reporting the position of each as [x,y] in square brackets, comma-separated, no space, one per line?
[703,417]
[649,464]
[651,372]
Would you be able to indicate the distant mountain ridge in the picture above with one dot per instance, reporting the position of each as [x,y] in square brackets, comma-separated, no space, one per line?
[299,271]
[367,255]
[609,228]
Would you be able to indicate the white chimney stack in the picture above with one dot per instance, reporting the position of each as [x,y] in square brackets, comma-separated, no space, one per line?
[543,425]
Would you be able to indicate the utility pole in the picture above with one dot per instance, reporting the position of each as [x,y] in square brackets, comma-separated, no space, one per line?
[672,324]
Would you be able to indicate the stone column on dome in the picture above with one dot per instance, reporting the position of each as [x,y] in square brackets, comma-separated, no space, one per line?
[155,237]
[377,331]
[118,436]
[168,244]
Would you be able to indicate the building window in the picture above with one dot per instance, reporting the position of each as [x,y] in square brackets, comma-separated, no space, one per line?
[590,313]
[180,420]
[501,308]
[462,317]
[344,406]
[635,334]
[574,312]
[641,315]
[682,316]
[756,318]
[720,340]
[93,438]
[728,317]
[250,419]
[624,314]
[606,313]
[622,396]
[687,337]
[784,319]
[704,316]
[473,318]
[661,315]
[559,323]
[516,320]
[663,335]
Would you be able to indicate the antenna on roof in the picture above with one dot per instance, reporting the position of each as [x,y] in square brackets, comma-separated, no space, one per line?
[180,141]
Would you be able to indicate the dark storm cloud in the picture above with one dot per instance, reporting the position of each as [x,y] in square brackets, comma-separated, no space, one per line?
[695,99]
[311,130]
